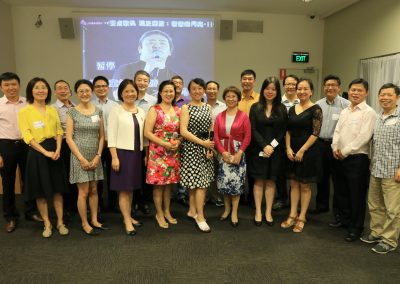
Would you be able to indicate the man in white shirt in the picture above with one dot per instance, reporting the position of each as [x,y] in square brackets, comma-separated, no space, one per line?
[351,145]
[101,89]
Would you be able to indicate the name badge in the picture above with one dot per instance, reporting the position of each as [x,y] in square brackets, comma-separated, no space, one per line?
[95,118]
[335,116]
[38,124]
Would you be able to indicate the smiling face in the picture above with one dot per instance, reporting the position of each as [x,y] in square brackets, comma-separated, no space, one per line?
[10,88]
[142,82]
[40,92]
[290,86]
[270,93]
[196,92]
[129,94]
[178,85]
[212,91]
[101,89]
[331,89]
[168,94]
[231,100]
[155,47]
[84,93]
[388,99]
[247,82]
[357,94]
[62,91]
[304,91]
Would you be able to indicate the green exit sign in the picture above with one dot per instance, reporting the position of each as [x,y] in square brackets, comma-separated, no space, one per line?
[300,57]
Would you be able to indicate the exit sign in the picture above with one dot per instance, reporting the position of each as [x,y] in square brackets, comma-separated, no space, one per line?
[300,57]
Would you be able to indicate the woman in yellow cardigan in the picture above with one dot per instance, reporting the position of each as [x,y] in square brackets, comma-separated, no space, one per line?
[45,176]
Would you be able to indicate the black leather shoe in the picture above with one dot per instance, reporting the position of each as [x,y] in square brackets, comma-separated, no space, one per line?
[257,223]
[336,224]
[91,233]
[352,237]
[269,223]
[145,209]
[11,226]
[234,224]
[35,218]
[101,228]
[131,233]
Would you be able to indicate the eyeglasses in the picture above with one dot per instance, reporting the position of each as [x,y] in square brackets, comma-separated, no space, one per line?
[100,86]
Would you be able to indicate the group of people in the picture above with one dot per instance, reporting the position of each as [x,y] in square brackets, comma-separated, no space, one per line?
[252,143]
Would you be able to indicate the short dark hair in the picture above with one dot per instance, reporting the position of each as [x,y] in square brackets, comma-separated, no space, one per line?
[277,100]
[359,81]
[102,78]
[390,86]
[82,82]
[332,77]
[31,85]
[141,72]
[248,72]
[157,32]
[177,77]
[61,81]
[310,83]
[290,76]
[8,76]
[216,83]
[123,85]
[162,86]
[197,81]
[232,89]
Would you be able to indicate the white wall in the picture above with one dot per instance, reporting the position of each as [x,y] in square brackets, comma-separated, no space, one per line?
[42,51]
[366,29]
[7,57]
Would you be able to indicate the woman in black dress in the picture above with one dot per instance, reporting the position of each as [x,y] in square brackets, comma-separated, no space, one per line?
[304,125]
[268,120]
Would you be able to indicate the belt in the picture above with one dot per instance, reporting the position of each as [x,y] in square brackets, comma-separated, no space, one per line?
[202,134]
[325,140]
[14,141]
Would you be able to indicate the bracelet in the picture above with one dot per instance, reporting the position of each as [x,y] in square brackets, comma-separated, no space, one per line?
[98,155]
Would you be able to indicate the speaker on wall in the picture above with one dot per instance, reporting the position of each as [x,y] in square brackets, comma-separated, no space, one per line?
[226,29]
[66,27]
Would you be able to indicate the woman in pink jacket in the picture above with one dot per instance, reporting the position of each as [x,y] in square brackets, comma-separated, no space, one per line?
[232,135]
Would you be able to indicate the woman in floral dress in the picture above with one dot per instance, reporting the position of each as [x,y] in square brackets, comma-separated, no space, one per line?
[162,129]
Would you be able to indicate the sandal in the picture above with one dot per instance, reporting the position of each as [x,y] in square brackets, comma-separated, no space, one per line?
[203,226]
[162,225]
[298,228]
[289,222]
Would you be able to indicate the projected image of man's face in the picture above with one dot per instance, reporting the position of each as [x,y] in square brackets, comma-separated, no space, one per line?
[154,47]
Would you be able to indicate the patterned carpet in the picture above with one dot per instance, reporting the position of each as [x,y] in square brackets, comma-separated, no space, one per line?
[181,254]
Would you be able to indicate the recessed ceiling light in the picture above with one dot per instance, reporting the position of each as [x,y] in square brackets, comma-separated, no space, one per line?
[306,1]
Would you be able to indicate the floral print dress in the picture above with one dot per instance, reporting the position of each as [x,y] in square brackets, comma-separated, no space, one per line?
[163,165]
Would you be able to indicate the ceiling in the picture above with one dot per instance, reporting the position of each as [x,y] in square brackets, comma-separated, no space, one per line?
[319,8]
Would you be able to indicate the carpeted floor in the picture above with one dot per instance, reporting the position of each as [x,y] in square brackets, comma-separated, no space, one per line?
[181,254]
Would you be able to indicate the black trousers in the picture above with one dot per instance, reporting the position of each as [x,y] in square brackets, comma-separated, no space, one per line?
[145,194]
[70,198]
[103,185]
[14,153]
[328,171]
[351,187]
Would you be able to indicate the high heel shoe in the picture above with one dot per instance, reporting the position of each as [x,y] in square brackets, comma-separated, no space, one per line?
[92,232]
[289,222]
[137,224]
[269,223]
[101,228]
[223,218]
[163,226]
[131,233]
[298,228]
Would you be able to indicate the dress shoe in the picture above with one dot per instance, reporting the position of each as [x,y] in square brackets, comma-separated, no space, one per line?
[223,218]
[34,217]
[257,223]
[131,233]
[11,226]
[352,237]
[137,224]
[234,224]
[317,211]
[269,223]
[336,224]
[101,228]
[145,208]
[92,232]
